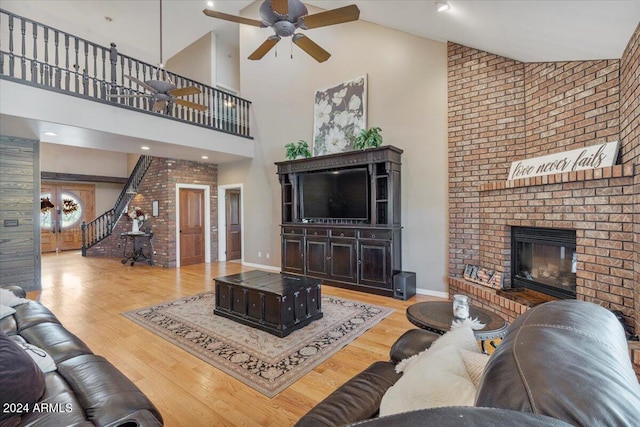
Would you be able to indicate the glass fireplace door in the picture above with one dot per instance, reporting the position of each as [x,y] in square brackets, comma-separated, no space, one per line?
[544,262]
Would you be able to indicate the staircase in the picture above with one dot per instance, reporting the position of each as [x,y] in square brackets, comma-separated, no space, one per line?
[100,228]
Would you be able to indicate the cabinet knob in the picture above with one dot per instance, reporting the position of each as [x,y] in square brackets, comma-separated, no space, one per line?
[315,233]
[341,234]
[373,236]
[328,258]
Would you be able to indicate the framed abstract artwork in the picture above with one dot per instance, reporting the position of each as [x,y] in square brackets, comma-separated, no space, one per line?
[339,114]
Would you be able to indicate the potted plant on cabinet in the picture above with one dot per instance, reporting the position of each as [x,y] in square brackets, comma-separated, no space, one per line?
[297,150]
[368,138]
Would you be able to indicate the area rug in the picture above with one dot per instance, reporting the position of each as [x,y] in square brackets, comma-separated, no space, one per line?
[263,361]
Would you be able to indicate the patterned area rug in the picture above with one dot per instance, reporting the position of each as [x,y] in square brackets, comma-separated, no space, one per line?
[263,361]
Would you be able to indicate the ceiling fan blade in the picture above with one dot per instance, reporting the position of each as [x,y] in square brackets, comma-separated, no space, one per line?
[183,91]
[159,105]
[264,48]
[233,18]
[280,6]
[330,17]
[141,83]
[190,104]
[309,46]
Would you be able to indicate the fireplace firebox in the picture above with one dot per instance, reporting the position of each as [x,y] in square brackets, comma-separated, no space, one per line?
[544,260]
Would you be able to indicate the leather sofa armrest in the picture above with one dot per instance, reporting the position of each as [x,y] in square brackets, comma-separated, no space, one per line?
[356,400]
[17,290]
[142,418]
[411,343]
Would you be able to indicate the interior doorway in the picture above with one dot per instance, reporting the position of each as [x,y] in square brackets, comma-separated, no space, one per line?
[63,208]
[192,226]
[233,224]
[230,222]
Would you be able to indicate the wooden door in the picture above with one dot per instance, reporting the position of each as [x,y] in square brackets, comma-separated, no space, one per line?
[292,254]
[192,231]
[234,224]
[61,225]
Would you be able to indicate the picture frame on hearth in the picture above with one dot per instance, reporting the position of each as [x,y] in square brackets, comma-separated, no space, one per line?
[339,114]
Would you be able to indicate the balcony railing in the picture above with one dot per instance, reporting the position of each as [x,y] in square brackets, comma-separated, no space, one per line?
[41,56]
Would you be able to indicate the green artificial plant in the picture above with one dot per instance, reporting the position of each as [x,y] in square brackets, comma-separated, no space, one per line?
[368,138]
[299,149]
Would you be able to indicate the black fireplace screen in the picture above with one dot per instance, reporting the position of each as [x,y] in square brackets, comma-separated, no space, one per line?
[544,260]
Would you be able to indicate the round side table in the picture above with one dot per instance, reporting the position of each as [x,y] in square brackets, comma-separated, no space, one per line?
[437,316]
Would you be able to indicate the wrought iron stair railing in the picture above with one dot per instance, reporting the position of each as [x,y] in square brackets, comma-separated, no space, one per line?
[38,55]
[102,227]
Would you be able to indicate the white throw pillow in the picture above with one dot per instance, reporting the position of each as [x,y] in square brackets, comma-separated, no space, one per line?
[436,377]
[5,311]
[42,358]
[9,298]
[475,363]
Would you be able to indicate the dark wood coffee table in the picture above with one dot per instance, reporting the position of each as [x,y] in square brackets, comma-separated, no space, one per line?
[275,303]
[437,316]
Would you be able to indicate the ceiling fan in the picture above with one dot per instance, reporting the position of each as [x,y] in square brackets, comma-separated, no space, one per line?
[162,93]
[285,17]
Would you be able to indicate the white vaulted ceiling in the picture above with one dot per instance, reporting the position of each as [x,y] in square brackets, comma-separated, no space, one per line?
[526,30]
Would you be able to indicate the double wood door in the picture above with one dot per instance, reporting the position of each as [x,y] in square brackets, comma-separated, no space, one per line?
[63,208]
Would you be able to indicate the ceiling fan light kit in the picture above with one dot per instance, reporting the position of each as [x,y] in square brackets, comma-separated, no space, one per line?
[287,16]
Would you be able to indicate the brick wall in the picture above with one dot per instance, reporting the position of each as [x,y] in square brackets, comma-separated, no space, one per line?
[486,125]
[159,184]
[502,110]
[570,105]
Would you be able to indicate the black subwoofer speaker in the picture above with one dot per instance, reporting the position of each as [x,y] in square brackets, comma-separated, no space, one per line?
[404,285]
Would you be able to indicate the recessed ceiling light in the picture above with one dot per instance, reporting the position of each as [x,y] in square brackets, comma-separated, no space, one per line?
[443,6]
[210,3]
[51,134]
[144,147]
[205,157]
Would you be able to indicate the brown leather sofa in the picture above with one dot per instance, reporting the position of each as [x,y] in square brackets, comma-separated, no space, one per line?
[83,390]
[561,363]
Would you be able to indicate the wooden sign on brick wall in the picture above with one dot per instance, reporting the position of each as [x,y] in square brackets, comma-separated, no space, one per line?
[593,157]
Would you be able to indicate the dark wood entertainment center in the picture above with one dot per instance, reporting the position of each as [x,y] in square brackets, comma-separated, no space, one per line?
[361,253]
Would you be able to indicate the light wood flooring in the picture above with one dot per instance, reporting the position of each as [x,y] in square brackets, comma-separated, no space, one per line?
[88,295]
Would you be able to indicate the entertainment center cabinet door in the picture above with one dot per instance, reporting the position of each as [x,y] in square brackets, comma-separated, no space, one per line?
[343,260]
[317,250]
[292,251]
[375,263]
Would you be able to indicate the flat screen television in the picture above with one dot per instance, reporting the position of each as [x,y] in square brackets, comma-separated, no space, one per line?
[335,195]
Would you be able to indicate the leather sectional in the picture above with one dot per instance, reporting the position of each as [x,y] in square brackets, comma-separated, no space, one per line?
[83,390]
[561,363]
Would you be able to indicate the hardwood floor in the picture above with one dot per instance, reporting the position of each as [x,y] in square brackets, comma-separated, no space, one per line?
[88,295]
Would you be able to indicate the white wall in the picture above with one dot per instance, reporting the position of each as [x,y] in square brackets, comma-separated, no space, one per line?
[86,161]
[407,98]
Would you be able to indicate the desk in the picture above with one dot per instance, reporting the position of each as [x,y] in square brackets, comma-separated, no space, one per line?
[138,247]
[437,316]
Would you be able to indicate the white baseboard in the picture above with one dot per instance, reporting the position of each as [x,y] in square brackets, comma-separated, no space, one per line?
[261,266]
[432,293]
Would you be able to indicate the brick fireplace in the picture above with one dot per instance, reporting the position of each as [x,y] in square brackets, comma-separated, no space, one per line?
[501,110]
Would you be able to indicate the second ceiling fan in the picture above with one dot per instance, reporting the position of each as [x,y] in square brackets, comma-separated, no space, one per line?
[285,17]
